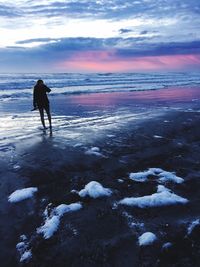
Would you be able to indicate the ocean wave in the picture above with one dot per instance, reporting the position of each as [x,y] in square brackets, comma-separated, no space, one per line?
[21,85]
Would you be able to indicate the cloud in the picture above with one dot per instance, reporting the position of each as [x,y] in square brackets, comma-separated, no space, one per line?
[103,53]
[143,32]
[124,47]
[158,49]
[112,9]
[38,40]
[9,11]
[122,31]
[39,33]
[131,17]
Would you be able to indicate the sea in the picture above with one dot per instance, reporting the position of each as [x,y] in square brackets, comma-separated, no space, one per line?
[88,106]
[18,86]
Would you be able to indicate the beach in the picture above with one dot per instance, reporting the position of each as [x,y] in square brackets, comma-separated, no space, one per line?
[116,166]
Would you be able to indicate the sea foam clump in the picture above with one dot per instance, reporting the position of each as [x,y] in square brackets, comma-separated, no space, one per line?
[94,151]
[165,176]
[95,190]
[162,176]
[167,246]
[147,239]
[63,208]
[22,194]
[163,197]
[26,256]
[140,176]
[192,225]
[22,248]
[52,222]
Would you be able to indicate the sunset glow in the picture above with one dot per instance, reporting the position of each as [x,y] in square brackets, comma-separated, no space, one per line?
[106,61]
[93,36]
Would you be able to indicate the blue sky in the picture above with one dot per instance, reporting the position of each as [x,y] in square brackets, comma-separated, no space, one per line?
[102,35]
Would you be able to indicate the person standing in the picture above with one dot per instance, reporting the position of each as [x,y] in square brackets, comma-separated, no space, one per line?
[41,102]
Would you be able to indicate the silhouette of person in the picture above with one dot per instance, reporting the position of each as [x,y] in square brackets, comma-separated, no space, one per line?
[41,102]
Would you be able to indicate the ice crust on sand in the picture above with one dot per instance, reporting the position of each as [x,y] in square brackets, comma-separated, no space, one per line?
[52,222]
[22,194]
[146,239]
[163,197]
[95,190]
[162,176]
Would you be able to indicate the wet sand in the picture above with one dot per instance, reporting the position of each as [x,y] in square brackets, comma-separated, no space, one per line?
[131,138]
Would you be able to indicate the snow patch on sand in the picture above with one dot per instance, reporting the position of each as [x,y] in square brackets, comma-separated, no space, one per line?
[162,176]
[22,194]
[147,239]
[95,190]
[163,197]
[52,222]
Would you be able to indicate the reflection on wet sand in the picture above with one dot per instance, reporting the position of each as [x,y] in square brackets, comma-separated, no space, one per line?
[85,117]
[96,146]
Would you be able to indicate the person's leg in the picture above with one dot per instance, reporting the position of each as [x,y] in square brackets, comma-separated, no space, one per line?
[48,115]
[41,110]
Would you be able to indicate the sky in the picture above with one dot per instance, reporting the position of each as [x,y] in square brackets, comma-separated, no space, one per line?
[99,35]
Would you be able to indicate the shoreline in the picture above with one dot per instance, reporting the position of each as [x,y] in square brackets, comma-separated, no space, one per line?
[102,233]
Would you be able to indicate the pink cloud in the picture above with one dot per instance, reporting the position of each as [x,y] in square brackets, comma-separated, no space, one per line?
[106,61]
